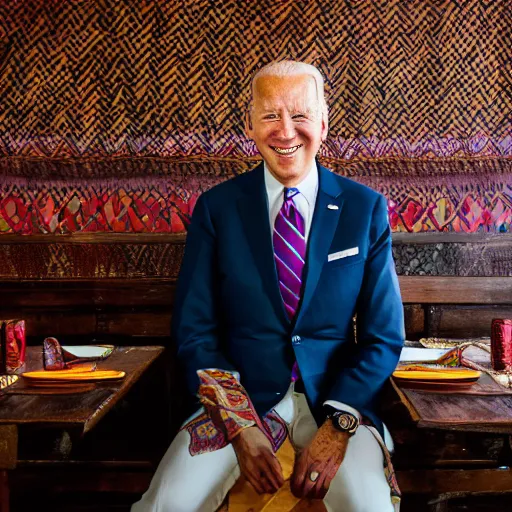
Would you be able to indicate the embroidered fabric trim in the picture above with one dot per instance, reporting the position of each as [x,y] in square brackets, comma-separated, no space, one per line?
[226,402]
[205,437]
[228,410]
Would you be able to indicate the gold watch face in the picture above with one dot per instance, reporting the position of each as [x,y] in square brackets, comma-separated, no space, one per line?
[347,422]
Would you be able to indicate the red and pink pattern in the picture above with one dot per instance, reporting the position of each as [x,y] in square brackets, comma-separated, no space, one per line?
[228,410]
[462,204]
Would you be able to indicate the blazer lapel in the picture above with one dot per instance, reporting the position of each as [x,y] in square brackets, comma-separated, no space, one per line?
[325,220]
[253,208]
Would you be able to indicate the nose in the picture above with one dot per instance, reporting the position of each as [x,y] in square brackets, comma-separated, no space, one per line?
[286,128]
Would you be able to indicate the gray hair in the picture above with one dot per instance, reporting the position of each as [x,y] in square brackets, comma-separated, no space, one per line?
[283,68]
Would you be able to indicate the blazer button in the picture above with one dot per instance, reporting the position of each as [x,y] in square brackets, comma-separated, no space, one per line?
[295,340]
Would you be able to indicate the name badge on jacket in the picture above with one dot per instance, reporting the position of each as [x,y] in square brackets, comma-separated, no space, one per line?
[343,254]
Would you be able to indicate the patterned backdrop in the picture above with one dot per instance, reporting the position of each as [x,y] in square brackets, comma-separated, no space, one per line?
[116,114]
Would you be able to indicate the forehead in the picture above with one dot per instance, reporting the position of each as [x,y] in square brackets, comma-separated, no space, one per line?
[285,91]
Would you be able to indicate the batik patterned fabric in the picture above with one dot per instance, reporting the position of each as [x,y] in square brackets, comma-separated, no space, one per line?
[206,437]
[475,199]
[14,345]
[226,402]
[228,410]
[53,358]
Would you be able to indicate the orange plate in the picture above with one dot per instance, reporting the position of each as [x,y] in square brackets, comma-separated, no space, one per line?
[73,376]
[448,375]
[436,386]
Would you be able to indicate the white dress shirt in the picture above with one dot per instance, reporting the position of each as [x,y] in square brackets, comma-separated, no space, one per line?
[305,202]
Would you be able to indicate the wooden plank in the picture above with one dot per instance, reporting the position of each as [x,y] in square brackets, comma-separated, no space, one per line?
[451,237]
[77,479]
[4,491]
[134,323]
[95,238]
[456,290]
[67,325]
[160,291]
[62,292]
[459,481]
[414,321]
[461,321]
[8,446]
[95,293]
[472,413]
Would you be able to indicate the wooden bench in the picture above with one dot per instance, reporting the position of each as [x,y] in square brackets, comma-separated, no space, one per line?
[120,289]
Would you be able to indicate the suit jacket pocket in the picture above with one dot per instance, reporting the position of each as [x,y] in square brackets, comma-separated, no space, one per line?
[348,261]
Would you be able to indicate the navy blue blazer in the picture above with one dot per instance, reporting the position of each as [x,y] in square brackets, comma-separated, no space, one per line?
[229,313]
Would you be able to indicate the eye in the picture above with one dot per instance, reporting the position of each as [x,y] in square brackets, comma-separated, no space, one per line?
[270,117]
[299,117]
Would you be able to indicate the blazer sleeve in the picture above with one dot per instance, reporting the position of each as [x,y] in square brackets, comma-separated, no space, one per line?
[195,323]
[380,322]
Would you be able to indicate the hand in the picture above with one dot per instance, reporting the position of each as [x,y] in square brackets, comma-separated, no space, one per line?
[257,460]
[324,455]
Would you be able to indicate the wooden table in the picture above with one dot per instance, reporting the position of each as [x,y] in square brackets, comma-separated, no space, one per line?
[72,414]
[450,445]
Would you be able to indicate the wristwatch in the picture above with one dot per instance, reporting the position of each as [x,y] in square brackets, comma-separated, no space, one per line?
[344,422]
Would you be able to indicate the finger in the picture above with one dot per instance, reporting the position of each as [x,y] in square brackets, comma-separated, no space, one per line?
[321,486]
[299,474]
[271,480]
[251,473]
[275,471]
[308,484]
[267,483]
[325,479]
[256,483]
[265,476]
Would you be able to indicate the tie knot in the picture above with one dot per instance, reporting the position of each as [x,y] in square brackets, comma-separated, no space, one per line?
[290,193]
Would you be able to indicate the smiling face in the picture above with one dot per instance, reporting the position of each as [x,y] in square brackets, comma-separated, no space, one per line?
[287,124]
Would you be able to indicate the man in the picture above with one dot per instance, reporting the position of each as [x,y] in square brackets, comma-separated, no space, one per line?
[278,261]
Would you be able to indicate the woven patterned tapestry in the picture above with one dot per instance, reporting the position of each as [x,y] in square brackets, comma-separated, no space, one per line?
[116,114]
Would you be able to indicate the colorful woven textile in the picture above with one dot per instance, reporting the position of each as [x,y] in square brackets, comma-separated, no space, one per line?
[226,402]
[416,79]
[115,115]
[228,410]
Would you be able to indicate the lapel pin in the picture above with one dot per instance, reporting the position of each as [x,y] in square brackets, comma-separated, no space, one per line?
[332,207]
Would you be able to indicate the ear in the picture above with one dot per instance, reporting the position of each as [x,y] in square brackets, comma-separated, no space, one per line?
[325,125]
[248,124]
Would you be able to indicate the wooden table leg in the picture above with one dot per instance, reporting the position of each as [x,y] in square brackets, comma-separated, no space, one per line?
[441,506]
[8,459]
[4,491]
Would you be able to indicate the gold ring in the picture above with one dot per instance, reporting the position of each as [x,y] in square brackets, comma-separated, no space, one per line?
[313,476]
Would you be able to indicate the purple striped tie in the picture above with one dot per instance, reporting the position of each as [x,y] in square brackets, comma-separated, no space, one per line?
[290,251]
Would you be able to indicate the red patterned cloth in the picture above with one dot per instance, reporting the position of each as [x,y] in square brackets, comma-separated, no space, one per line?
[229,410]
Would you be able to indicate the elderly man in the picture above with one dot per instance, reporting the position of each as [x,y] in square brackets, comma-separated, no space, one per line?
[277,264]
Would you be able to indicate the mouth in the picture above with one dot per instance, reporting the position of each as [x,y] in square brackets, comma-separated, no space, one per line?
[286,151]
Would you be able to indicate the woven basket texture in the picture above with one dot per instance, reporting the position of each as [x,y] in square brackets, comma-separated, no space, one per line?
[115,115]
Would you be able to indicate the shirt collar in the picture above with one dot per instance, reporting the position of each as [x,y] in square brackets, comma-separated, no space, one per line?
[308,187]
